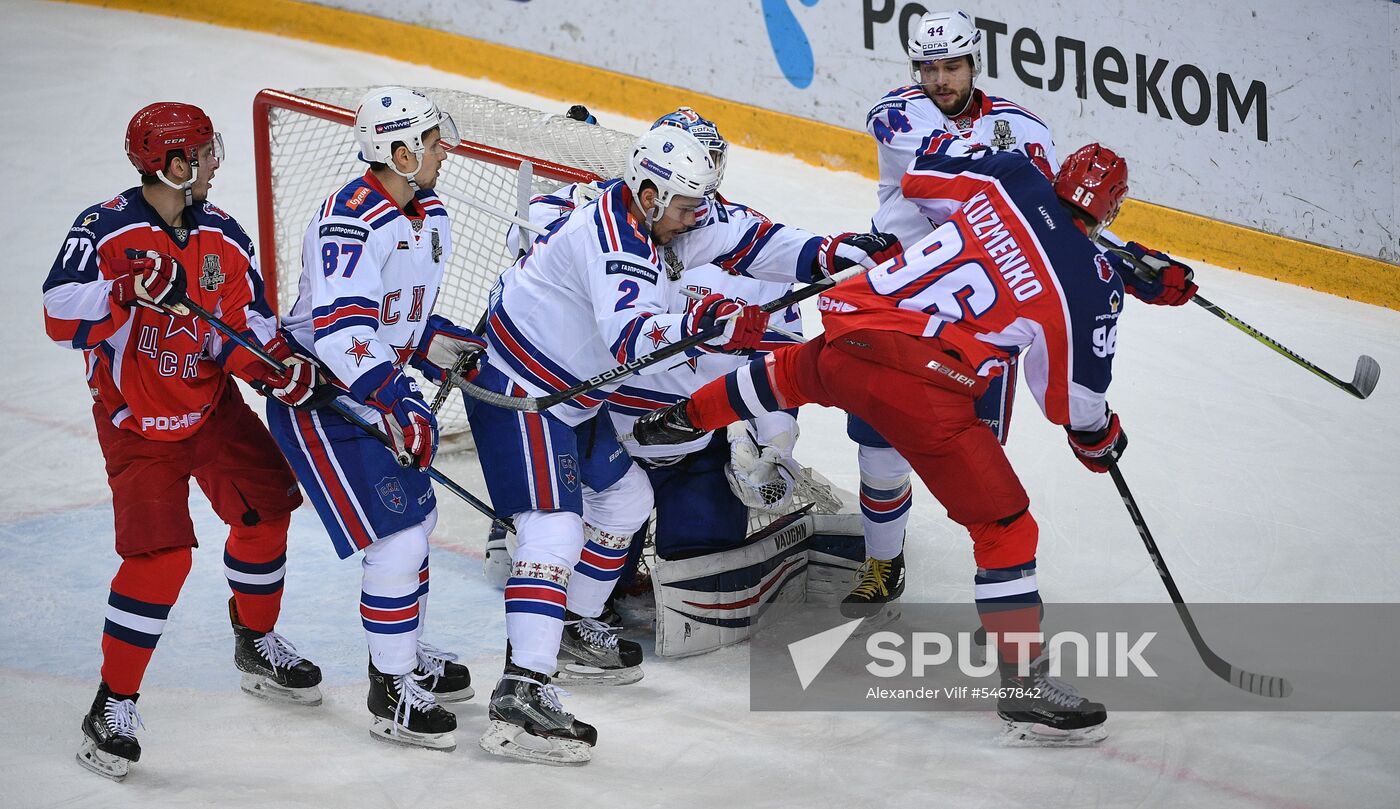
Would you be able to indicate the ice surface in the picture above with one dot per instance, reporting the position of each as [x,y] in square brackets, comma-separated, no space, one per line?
[1260,482]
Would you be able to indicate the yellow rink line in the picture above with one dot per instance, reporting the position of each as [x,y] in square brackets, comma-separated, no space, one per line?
[1227,245]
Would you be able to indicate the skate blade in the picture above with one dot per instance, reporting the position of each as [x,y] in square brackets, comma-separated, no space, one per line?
[104,764]
[455,696]
[1034,734]
[871,623]
[386,731]
[580,674]
[513,741]
[263,688]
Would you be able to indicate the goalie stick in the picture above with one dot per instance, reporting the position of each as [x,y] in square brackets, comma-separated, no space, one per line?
[348,414]
[1265,685]
[535,404]
[1363,380]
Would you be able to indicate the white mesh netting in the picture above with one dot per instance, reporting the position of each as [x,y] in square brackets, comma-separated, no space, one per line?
[310,157]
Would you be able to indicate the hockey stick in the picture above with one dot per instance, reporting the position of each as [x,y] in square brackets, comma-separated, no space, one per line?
[349,415]
[1363,380]
[473,202]
[1265,685]
[535,404]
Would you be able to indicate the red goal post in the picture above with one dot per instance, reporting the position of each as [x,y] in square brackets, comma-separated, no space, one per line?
[303,150]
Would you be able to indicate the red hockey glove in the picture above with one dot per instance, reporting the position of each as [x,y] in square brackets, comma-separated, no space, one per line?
[149,279]
[300,386]
[846,250]
[1099,449]
[1036,153]
[743,325]
[1171,283]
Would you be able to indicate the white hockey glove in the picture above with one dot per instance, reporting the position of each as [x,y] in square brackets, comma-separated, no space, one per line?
[762,477]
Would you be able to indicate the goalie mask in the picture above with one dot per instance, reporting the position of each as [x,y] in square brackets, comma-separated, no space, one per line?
[389,115]
[704,131]
[675,163]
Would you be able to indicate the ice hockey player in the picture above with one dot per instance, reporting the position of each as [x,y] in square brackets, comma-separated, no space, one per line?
[945,53]
[372,259]
[166,410]
[909,347]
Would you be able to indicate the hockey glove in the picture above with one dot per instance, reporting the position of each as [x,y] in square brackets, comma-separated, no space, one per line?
[1099,449]
[442,346]
[743,325]
[412,425]
[299,387]
[149,279]
[846,250]
[1170,282]
[669,425]
[1036,153]
[762,477]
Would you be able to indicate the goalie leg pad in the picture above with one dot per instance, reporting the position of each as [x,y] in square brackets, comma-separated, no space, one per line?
[834,556]
[705,602]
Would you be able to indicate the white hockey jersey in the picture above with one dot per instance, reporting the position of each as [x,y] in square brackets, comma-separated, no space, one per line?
[596,292]
[905,121]
[370,275]
[642,394]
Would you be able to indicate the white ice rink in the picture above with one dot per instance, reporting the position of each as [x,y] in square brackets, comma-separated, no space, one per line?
[1261,484]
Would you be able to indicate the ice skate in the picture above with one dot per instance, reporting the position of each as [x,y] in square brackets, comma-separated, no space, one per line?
[1043,711]
[440,674]
[591,653]
[876,594]
[528,722]
[405,713]
[109,745]
[271,667]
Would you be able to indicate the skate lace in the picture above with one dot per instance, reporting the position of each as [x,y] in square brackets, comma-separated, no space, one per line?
[412,697]
[277,650]
[872,578]
[121,717]
[433,661]
[598,633]
[1057,691]
[551,695]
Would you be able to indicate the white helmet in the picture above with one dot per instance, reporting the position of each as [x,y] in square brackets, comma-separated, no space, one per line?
[673,161]
[398,114]
[945,35]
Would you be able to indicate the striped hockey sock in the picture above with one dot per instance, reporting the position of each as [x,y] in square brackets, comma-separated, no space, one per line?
[143,591]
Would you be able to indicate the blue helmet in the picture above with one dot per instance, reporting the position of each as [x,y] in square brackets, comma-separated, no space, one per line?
[704,131]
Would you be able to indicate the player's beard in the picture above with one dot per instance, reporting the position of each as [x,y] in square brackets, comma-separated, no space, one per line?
[959,105]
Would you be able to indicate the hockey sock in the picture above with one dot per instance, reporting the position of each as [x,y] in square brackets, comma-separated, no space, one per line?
[143,591]
[885,500]
[741,394]
[422,595]
[389,593]
[548,549]
[255,562]
[599,565]
[1008,602]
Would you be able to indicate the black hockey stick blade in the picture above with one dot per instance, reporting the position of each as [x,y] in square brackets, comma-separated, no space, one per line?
[1264,685]
[1368,373]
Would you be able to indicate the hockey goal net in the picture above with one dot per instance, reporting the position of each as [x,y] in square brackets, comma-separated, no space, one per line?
[304,149]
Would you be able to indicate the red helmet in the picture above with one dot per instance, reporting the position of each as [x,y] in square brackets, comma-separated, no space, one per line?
[159,128]
[1094,180]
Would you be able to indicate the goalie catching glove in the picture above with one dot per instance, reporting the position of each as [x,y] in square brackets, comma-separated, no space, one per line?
[846,250]
[761,476]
